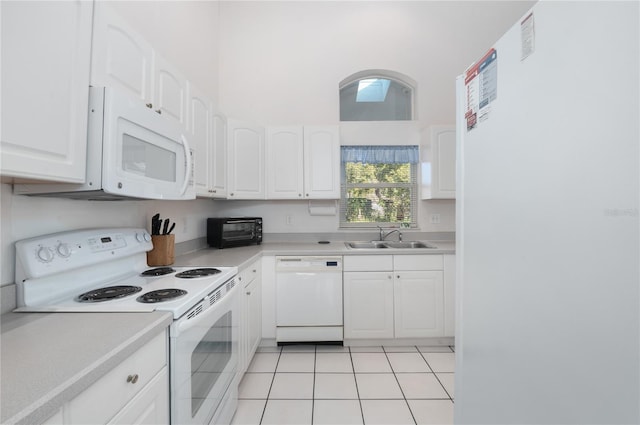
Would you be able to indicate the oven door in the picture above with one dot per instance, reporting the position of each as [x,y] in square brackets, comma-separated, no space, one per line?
[144,154]
[239,231]
[204,359]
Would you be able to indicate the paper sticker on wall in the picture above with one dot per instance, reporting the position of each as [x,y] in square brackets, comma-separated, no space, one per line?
[481,83]
[527,36]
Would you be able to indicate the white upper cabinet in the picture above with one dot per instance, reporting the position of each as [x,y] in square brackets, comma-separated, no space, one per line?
[245,174]
[303,162]
[285,162]
[218,171]
[322,162]
[439,166]
[46,52]
[169,91]
[121,58]
[199,133]
[126,61]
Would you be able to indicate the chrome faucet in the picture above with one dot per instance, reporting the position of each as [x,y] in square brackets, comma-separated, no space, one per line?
[384,235]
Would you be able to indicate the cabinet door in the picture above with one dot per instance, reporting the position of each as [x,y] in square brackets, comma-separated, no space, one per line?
[121,58]
[169,91]
[199,132]
[439,169]
[246,161]
[46,53]
[102,401]
[321,162]
[284,164]
[150,406]
[368,305]
[418,304]
[254,322]
[218,157]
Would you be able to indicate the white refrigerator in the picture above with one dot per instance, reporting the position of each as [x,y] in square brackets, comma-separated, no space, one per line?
[547,237]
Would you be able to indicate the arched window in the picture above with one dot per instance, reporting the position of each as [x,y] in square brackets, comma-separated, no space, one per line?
[376,95]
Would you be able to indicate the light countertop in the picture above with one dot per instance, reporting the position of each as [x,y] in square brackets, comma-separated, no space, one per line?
[242,256]
[49,358]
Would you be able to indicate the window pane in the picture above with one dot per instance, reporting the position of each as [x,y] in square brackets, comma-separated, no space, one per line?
[375,99]
[389,205]
[377,173]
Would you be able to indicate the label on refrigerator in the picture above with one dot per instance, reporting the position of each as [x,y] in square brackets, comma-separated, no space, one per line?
[481,86]
[527,36]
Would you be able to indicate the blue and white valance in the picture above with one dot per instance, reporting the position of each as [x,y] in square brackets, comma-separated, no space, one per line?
[380,154]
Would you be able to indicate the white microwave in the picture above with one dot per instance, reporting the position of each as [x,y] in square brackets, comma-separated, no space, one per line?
[132,152]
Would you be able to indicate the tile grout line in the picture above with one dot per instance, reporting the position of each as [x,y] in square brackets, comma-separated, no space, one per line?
[353,368]
[313,387]
[264,409]
[399,386]
[435,375]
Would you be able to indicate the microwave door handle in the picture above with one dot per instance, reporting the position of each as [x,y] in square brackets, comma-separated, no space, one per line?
[187,153]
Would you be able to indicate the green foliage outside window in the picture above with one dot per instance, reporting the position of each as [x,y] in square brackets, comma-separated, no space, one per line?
[378,193]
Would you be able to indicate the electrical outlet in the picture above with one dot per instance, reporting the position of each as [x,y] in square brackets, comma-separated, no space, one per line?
[435,218]
[185,227]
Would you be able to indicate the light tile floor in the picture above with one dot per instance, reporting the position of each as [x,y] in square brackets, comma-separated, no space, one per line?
[318,385]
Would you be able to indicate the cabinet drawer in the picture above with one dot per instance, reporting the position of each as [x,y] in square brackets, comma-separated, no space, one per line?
[417,262]
[249,274]
[104,399]
[368,263]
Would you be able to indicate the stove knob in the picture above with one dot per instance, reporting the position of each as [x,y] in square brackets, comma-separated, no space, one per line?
[44,254]
[143,237]
[63,250]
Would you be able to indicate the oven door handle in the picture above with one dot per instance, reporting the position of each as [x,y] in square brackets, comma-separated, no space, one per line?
[219,307]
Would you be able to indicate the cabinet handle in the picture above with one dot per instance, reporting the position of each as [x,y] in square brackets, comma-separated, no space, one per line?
[149,105]
[299,194]
[231,194]
[133,378]
[249,293]
[307,194]
[254,270]
[390,277]
[398,276]
[159,111]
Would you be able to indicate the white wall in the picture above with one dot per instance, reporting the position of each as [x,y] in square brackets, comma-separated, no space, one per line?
[282,61]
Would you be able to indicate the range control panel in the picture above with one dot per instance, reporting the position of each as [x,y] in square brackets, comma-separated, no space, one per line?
[55,253]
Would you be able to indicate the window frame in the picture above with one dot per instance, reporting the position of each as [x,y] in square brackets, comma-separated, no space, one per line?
[396,77]
[412,186]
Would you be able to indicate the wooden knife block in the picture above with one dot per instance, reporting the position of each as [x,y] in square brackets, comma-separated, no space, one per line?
[163,252]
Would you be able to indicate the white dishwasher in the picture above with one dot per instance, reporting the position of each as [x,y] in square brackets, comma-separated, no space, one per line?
[309,299]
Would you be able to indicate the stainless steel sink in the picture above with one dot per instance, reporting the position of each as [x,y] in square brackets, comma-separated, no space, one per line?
[409,244]
[366,245]
[389,244]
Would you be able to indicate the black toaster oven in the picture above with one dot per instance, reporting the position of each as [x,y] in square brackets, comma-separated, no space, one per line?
[226,232]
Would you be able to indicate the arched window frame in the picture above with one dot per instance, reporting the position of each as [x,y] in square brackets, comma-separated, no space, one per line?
[398,77]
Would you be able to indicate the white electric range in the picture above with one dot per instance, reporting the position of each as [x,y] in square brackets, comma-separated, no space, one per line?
[105,270]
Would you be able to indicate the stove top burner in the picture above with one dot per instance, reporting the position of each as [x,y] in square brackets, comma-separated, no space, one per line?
[193,273]
[158,271]
[161,295]
[108,293]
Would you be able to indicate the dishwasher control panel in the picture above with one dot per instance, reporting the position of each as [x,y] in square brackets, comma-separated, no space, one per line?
[308,263]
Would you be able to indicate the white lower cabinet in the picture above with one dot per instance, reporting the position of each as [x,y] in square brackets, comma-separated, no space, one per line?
[418,304]
[136,391]
[398,296]
[251,328]
[368,304]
